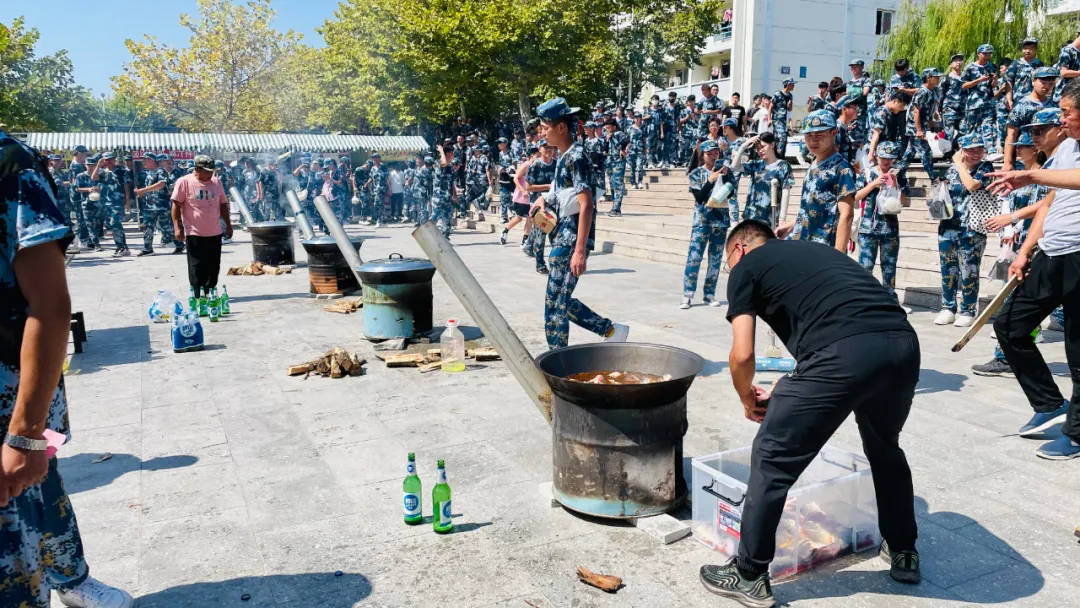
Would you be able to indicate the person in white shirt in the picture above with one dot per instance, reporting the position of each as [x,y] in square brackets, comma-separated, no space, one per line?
[397,195]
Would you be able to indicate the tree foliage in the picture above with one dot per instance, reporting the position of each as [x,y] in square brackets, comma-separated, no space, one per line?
[929,32]
[224,79]
[38,93]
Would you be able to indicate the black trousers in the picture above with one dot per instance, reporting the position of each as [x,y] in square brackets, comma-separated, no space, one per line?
[204,262]
[1053,281]
[873,375]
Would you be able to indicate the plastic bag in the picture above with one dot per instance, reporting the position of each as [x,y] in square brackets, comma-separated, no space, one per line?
[939,205]
[718,199]
[888,200]
[161,309]
[1000,270]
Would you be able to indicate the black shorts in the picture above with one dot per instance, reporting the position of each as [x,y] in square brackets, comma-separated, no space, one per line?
[521,210]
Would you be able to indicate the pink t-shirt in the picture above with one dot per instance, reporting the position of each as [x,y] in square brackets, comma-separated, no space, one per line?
[200,205]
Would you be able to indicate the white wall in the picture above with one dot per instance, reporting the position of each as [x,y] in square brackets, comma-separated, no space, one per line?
[822,35]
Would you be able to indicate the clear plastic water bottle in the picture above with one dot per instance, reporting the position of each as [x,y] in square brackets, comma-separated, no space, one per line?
[452,348]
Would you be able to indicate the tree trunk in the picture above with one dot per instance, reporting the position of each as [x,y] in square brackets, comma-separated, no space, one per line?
[524,107]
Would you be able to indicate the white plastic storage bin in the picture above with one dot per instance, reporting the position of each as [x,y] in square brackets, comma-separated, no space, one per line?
[830,511]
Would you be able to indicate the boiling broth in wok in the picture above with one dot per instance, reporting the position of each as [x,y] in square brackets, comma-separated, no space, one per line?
[617,377]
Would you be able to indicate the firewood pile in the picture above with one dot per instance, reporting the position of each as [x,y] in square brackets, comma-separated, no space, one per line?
[345,306]
[335,363]
[255,269]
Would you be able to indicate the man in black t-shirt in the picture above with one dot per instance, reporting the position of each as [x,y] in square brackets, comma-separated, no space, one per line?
[856,352]
[736,111]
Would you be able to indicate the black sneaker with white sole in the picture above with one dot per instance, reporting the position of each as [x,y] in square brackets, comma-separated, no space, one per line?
[904,565]
[727,581]
[995,367]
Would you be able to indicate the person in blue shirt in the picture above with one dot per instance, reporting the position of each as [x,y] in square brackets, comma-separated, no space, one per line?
[617,143]
[1020,72]
[959,247]
[670,115]
[1024,108]
[879,230]
[921,115]
[571,198]
[766,172]
[710,225]
[953,97]
[781,110]
[978,81]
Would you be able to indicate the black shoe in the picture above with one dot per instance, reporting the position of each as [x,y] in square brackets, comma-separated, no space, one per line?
[541,270]
[143,252]
[614,213]
[995,367]
[727,581]
[179,249]
[502,237]
[904,564]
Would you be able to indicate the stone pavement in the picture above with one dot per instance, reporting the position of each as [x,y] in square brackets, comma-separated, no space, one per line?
[228,478]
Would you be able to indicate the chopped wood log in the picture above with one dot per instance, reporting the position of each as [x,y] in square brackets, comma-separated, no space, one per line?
[345,306]
[434,353]
[430,367]
[485,353]
[604,582]
[336,363]
[404,360]
[302,368]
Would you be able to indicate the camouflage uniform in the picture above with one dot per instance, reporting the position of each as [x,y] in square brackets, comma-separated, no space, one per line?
[826,182]
[979,111]
[506,162]
[960,248]
[422,193]
[572,171]
[759,204]
[112,195]
[76,200]
[1019,75]
[477,181]
[92,211]
[540,173]
[378,175]
[670,118]
[271,206]
[408,181]
[652,135]
[709,231]
[712,103]
[155,209]
[517,148]
[596,152]
[859,131]
[1024,110]
[688,135]
[875,100]
[878,232]
[42,548]
[926,101]
[952,104]
[908,81]
[616,167]
[635,154]
[61,177]
[441,206]
[780,113]
[1068,59]
[247,188]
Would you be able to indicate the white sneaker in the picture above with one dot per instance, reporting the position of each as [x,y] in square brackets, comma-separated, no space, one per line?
[619,333]
[963,320]
[684,304]
[93,593]
[906,309]
[714,303]
[944,317]
[1045,323]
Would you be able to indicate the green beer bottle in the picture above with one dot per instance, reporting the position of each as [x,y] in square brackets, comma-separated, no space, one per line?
[214,305]
[411,489]
[440,502]
[204,305]
[192,301]
[224,300]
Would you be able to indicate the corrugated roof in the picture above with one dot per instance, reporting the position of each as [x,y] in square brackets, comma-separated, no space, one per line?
[234,142]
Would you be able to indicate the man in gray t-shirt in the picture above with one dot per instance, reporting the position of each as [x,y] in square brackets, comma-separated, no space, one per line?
[1050,278]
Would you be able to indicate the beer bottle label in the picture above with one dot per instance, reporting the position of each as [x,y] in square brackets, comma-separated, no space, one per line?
[410,468]
[444,513]
[412,505]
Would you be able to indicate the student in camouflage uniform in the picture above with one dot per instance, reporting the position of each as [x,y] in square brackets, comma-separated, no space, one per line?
[859,89]
[248,184]
[77,166]
[781,110]
[1021,71]
[890,124]
[828,191]
[904,80]
[819,101]
[669,117]
[408,182]
[874,100]
[442,211]
[62,179]
[920,119]
[477,180]
[635,150]
[92,207]
[112,197]
[422,190]
[709,228]
[1025,108]
[617,143]
[505,163]
[42,547]
[151,190]
[538,179]
[959,247]
[845,126]
[1068,64]
[1001,104]
[596,151]
[517,147]
[762,172]
[688,133]
[269,183]
[573,237]
[978,80]
[653,122]
[378,175]
[880,232]
[709,106]
[953,98]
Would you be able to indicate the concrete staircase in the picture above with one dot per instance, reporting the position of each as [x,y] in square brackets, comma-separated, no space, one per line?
[656,222]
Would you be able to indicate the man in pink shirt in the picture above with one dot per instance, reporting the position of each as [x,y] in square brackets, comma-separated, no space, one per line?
[199,210]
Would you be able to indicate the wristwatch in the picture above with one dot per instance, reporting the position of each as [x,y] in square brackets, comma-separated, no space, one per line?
[1013,217]
[25,443]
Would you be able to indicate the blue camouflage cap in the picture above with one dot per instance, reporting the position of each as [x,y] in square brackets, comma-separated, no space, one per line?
[858,62]
[1028,41]
[819,120]
[553,109]
[931,72]
[637,113]
[971,140]
[1045,116]
[502,140]
[956,56]
[844,102]
[108,156]
[428,160]
[1025,139]
[1046,71]
[81,148]
[708,146]
[888,149]
[590,125]
[986,48]
[788,81]
[55,157]
[730,122]
[91,160]
[878,83]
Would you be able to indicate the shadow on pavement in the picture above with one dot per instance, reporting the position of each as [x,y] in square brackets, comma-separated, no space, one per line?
[944,556]
[111,346]
[713,367]
[933,381]
[323,589]
[269,296]
[81,473]
[610,271]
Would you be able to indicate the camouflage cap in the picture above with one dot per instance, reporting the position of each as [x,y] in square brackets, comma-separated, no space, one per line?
[931,72]
[204,162]
[888,149]
[1025,139]
[1046,71]
[1045,116]
[708,146]
[986,48]
[971,140]
[819,120]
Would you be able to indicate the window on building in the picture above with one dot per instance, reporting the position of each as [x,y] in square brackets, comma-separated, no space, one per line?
[884,22]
